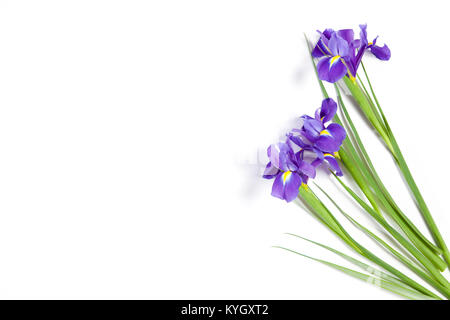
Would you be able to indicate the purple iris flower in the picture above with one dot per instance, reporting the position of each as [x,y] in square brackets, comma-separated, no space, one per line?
[288,169]
[288,161]
[382,53]
[340,54]
[325,141]
[321,157]
[334,51]
[326,138]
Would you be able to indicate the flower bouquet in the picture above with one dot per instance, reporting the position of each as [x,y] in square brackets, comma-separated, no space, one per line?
[330,140]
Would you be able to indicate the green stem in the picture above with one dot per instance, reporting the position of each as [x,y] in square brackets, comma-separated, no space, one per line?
[407,245]
[364,103]
[353,133]
[421,203]
[445,291]
[396,152]
[359,173]
[316,204]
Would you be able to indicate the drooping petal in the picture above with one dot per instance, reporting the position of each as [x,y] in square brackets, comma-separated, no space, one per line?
[331,69]
[337,131]
[278,186]
[292,182]
[382,53]
[327,143]
[271,171]
[331,138]
[334,165]
[286,185]
[327,110]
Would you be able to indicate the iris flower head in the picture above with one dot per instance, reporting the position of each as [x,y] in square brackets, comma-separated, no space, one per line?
[340,54]
[293,161]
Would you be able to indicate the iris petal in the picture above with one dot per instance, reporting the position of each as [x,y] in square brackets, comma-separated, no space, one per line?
[338,46]
[333,164]
[277,154]
[286,185]
[382,53]
[331,70]
[328,32]
[307,169]
[363,34]
[271,171]
[321,48]
[291,186]
[337,132]
[296,138]
[278,186]
[327,110]
[346,34]
[328,144]
[312,128]
[331,139]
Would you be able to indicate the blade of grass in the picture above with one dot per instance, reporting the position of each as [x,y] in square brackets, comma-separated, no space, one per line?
[361,249]
[407,245]
[409,294]
[395,253]
[357,262]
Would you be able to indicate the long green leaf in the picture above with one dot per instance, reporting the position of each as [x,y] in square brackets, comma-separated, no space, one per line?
[395,253]
[362,265]
[407,245]
[379,187]
[411,182]
[387,285]
[361,249]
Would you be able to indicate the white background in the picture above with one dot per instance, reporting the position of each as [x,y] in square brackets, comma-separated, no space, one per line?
[130,133]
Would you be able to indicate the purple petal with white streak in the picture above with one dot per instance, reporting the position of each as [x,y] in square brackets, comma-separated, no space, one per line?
[331,69]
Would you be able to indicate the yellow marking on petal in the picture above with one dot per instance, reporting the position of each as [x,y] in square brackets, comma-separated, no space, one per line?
[324,132]
[370,43]
[328,155]
[304,186]
[334,59]
[286,176]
